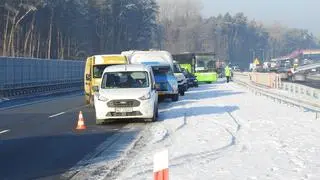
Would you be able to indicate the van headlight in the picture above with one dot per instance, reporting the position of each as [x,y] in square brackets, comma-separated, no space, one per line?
[102,98]
[146,96]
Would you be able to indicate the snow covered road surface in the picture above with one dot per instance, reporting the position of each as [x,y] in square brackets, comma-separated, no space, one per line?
[222,131]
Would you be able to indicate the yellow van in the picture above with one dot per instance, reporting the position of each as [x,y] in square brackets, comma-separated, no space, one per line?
[95,66]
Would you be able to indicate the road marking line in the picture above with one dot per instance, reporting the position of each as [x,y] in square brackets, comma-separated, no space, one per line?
[55,115]
[67,111]
[4,131]
[45,100]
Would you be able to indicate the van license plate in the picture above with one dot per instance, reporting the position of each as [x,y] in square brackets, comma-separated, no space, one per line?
[122,110]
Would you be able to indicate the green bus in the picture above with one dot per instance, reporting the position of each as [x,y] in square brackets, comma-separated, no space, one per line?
[202,65]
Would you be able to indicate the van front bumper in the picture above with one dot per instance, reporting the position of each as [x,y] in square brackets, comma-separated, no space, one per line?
[145,110]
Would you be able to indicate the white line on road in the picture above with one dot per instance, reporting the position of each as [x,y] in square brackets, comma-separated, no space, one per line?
[38,102]
[55,115]
[67,111]
[4,131]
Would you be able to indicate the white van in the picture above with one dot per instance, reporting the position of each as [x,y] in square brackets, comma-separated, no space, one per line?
[162,66]
[126,91]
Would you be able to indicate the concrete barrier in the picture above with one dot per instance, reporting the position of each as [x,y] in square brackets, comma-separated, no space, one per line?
[271,80]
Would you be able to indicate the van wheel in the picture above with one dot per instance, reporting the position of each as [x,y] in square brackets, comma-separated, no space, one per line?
[157,112]
[91,102]
[182,93]
[100,121]
[154,118]
[155,115]
[87,99]
[175,97]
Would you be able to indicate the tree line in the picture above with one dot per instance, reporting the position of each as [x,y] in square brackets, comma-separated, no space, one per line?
[74,29]
[234,38]
[71,29]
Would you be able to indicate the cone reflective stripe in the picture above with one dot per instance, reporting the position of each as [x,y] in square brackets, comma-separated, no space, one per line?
[161,166]
[80,115]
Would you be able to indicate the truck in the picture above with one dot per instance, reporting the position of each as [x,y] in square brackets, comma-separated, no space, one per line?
[94,68]
[162,65]
[182,80]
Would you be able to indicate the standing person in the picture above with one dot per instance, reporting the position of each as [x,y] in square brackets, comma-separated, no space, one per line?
[227,72]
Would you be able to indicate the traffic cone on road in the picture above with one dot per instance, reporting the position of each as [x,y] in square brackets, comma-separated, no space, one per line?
[81,125]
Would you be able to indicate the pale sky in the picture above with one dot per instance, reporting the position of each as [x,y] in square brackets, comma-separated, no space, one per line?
[292,13]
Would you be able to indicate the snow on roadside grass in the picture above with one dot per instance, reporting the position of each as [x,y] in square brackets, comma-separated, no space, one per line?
[222,131]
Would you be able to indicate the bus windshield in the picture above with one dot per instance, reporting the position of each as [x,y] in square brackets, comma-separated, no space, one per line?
[205,64]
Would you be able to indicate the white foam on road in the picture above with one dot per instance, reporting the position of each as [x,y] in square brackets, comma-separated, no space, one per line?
[222,131]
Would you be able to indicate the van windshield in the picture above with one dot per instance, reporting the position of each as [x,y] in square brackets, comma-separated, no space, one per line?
[98,70]
[177,68]
[135,79]
[162,70]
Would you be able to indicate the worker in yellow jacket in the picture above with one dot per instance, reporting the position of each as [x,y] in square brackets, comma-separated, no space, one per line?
[227,72]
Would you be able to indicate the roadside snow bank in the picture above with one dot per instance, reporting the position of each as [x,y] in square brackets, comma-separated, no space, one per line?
[221,131]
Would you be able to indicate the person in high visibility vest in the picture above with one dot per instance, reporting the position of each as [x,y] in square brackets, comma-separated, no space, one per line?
[227,72]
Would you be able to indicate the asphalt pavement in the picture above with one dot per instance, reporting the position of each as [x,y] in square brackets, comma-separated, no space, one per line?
[39,140]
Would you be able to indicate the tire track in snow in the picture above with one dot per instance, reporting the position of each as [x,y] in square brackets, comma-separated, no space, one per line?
[184,122]
[235,120]
[206,156]
[168,136]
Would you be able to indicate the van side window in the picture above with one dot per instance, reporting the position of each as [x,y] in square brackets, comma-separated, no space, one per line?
[98,70]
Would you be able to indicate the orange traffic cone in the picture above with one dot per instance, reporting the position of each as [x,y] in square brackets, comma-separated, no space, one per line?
[81,125]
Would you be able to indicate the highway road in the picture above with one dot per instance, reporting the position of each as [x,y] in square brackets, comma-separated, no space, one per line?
[39,140]
[310,83]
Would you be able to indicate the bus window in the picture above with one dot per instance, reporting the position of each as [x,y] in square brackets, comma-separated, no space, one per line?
[205,63]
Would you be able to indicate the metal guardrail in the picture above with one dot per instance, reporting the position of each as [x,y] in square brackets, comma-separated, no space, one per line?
[298,95]
[301,91]
[39,89]
[307,67]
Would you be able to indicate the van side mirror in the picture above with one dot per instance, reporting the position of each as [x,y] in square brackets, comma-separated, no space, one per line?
[88,77]
[154,87]
[95,88]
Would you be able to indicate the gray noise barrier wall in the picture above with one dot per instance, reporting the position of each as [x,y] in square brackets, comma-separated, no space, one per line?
[27,76]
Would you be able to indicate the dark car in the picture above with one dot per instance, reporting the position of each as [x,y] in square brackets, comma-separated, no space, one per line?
[192,79]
